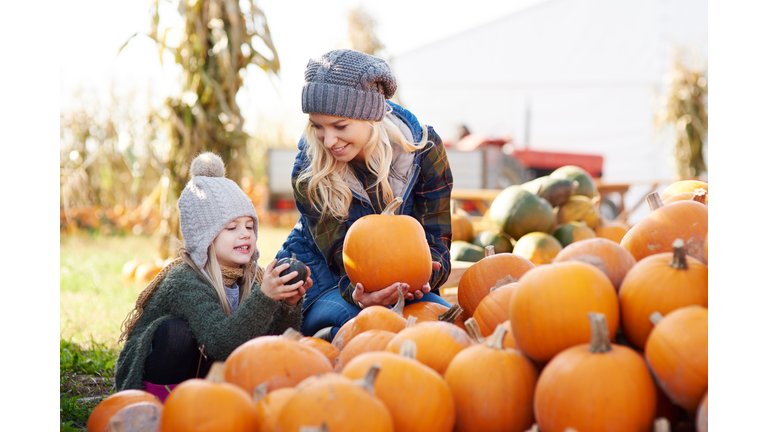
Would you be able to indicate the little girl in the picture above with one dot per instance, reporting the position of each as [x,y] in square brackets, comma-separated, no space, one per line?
[211,299]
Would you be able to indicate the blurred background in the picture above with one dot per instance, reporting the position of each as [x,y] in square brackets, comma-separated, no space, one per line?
[515,88]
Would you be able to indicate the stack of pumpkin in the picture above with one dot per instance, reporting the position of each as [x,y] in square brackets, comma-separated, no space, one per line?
[608,336]
[536,219]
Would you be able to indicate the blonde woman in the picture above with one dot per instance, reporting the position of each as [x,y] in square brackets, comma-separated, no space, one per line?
[358,153]
[211,299]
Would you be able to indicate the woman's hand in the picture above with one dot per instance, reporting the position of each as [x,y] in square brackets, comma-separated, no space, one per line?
[273,285]
[382,297]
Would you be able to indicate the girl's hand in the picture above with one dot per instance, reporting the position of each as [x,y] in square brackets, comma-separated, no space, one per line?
[273,285]
[291,301]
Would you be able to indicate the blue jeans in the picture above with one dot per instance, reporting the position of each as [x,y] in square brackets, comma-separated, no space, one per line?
[331,310]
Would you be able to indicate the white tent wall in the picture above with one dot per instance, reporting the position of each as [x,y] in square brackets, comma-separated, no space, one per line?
[589,71]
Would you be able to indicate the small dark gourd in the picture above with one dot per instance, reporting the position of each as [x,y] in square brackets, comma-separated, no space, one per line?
[295,265]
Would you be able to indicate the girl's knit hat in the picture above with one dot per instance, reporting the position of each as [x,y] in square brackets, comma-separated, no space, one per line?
[347,83]
[209,203]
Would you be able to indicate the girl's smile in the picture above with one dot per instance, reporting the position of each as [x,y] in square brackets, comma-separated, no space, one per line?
[236,243]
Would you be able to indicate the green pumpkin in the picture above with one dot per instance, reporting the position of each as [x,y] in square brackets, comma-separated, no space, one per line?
[516,212]
[586,185]
[497,239]
[538,247]
[465,251]
[571,232]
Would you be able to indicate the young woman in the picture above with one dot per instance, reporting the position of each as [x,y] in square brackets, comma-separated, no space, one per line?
[211,299]
[358,153]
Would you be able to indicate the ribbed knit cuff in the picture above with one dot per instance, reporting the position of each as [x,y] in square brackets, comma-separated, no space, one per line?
[342,101]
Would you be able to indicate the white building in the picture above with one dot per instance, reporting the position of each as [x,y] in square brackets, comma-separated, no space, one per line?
[589,73]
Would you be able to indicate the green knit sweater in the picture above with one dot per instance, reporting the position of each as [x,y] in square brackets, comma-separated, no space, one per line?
[185,294]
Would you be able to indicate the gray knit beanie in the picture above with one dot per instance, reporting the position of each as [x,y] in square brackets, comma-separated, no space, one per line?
[209,203]
[347,83]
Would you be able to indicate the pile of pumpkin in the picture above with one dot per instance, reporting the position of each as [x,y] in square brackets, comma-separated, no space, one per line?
[536,219]
[609,336]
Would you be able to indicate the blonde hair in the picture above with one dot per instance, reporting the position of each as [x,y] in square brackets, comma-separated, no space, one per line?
[252,274]
[212,272]
[324,177]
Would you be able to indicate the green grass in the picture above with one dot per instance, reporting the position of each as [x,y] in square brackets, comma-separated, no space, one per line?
[94,300]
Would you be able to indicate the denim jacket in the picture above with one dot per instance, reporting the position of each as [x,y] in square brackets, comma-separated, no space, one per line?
[426,194]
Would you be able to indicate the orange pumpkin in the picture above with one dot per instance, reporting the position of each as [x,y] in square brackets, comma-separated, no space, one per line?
[597,386]
[98,421]
[660,283]
[492,387]
[430,311]
[655,233]
[369,340]
[268,406]
[494,309]
[699,195]
[683,186]
[607,255]
[281,361]
[677,354]
[323,346]
[549,306]
[509,338]
[418,398]
[480,277]
[612,230]
[372,317]
[209,404]
[374,260]
[137,417]
[326,400]
[437,343]
[461,224]
[538,247]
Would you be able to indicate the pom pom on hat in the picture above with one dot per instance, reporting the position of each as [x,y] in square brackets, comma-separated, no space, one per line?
[207,165]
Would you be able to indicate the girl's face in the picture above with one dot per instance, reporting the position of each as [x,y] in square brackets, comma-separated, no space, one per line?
[343,137]
[236,243]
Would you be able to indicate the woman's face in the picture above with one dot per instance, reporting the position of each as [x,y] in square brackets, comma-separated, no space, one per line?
[343,137]
[236,243]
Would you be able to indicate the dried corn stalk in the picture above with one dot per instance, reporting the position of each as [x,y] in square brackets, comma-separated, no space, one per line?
[685,108]
[215,48]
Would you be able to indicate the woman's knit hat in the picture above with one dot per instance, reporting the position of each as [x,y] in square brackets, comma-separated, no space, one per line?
[347,83]
[209,203]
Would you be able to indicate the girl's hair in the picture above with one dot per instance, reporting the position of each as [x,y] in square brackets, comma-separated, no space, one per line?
[212,272]
[326,188]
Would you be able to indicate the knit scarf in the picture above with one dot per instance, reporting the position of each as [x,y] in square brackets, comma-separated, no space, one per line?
[228,274]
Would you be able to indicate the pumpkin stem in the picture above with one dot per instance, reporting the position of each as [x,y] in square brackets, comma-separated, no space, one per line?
[656,318]
[700,195]
[474,330]
[293,256]
[600,341]
[260,392]
[678,255]
[451,314]
[322,428]
[291,334]
[661,424]
[389,210]
[506,280]
[216,372]
[411,321]
[370,378]
[398,307]
[489,251]
[496,341]
[654,200]
[408,349]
